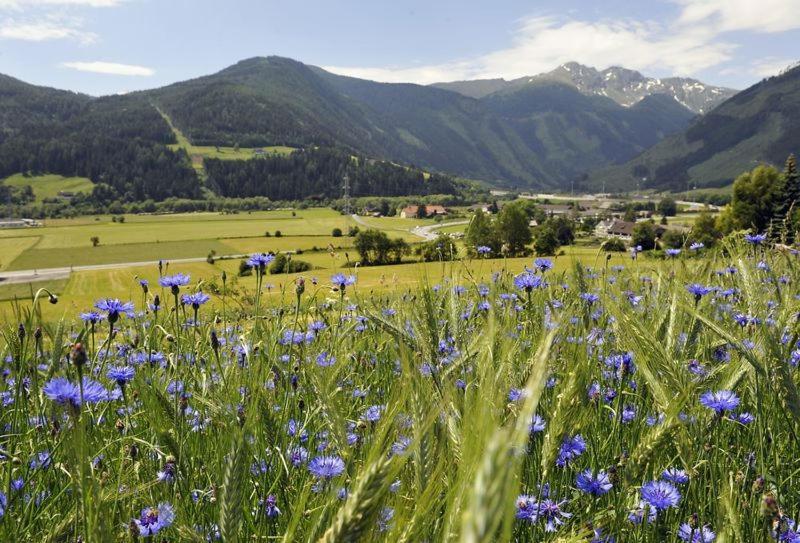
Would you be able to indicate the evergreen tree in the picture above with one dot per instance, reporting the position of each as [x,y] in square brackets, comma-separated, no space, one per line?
[785,219]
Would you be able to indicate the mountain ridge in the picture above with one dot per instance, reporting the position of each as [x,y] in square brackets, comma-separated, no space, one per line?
[624,86]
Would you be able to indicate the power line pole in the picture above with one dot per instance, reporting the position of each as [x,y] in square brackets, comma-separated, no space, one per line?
[347,195]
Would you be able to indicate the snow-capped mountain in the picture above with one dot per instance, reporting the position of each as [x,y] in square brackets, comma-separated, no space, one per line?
[626,87]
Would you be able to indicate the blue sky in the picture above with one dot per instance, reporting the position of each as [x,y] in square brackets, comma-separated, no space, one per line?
[110,46]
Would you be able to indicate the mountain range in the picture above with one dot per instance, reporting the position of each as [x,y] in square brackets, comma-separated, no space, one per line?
[757,125]
[544,131]
[625,87]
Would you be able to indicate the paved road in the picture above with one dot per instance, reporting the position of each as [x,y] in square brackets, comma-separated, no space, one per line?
[425,232]
[52,274]
[429,232]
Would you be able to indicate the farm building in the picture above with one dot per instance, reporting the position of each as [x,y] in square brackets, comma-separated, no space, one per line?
[410,212]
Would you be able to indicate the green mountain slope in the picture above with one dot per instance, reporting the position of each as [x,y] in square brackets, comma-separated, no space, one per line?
[278,101]
[757,125]
[541,135]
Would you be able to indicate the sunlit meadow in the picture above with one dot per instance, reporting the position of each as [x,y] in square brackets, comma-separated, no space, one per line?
[594,405]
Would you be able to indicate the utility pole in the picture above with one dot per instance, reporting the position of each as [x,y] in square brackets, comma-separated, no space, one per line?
[347,195]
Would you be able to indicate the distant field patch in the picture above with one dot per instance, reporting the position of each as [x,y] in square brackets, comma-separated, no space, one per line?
[10,249]
[49,186]
[26,291]
[57,257]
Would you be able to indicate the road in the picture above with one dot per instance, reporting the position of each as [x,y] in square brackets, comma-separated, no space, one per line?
[54,274]
[425,232]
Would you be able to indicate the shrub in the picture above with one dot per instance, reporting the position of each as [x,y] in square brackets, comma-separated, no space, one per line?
[613,245]
[336,232]
[244,268]
[285,264]
[278,234]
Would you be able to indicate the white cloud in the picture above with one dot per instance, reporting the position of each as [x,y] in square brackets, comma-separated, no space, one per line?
[111,68]
[732,15]
[542,43]
[771,66]
[44,31]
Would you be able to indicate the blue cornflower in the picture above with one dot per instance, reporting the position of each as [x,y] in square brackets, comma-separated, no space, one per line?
[260,261]
[571,448]
[516,394]
[660,495]
[92,317]
[589,297]
[702,534]
[547,510]
[745,418]
[270,506]
[672,252]
[596,485]
[675,475]
[3,504]
[483,250]
[61,391]
[698,290]
[121,375]
[527,281]
[696,246]
[114,308]
[195,299]
[720,401]
[373,413]
[538,424]
[342,281]
[326,467]
[543,264]
[174,281]
[154,519]
[325,359]
[755,239]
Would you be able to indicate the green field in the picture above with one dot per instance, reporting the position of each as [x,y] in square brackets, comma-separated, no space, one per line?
[224,153]
[49,186]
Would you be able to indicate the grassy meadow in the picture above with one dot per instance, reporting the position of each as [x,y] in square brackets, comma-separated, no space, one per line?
[49,186]
[567,399]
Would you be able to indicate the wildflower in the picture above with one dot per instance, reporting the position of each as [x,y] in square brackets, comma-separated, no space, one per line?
[483,250]
[596,485]
[121,375]
[571,448]
[696,246]
[589,298]
[698,290]
[174,282]
[92,317]
[270,506]
[527,281]
[260,261]
[755,239]
[373,413]
[114,308]
[385,519]
[342,281]
[543,264]
[642,513]
[547,510]
[324,359]
[538,424]
[745,418]
[195,300]
[326,467]
[691,534]
[672,252]
[721,401]
[3,504]
[660,495]
[154,519]
[675,475]
[61,391]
